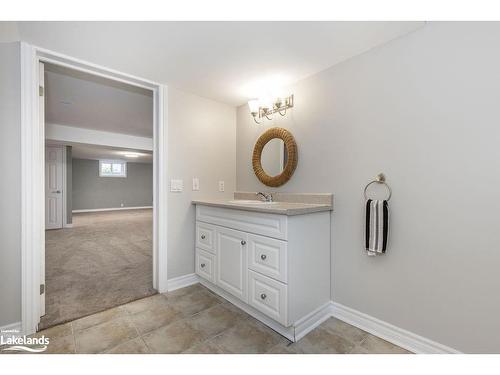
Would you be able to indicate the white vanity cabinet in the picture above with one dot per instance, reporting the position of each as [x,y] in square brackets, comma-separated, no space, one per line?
[276,267]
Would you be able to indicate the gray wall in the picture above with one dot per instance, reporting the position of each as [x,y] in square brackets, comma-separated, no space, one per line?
[201,143]
[91,191]
[10,184]
[69,184]
[424,110]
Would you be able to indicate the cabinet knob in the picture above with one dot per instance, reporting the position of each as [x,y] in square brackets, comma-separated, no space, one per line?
[203,237]
[202,265]
[263,256]
[263,296]
[243,242]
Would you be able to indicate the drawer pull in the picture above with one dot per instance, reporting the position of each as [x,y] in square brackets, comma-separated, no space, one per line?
[203,237]
[243,242]
[263,296]
[263,257]
[202,265]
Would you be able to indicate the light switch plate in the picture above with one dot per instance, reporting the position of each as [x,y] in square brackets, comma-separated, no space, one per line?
[196,184]
[221,185]
[176,185]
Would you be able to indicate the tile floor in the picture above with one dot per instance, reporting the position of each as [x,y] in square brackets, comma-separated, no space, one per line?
[194,320]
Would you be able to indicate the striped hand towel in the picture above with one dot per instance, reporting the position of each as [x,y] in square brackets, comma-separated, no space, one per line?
[377,226]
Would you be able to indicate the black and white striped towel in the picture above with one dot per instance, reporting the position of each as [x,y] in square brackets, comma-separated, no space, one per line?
[377,226]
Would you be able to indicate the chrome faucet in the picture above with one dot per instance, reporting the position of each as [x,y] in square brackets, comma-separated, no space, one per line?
[267,197]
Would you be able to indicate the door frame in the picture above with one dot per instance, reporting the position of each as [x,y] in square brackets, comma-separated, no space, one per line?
[33,173]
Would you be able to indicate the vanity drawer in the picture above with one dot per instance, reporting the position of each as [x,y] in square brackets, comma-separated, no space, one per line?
[205,237]
[205,265]
[268,296]
[268,256]
[271,225]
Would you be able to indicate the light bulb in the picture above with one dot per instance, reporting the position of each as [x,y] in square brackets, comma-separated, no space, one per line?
[253,105]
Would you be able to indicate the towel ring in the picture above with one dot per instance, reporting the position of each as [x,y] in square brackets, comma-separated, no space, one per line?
[380,179]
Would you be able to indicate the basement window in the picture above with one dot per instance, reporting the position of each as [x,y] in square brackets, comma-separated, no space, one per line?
[112,168]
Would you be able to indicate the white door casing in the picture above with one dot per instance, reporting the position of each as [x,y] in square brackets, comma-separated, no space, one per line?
[41,119]
[232,262]
[53,187]
[33,176]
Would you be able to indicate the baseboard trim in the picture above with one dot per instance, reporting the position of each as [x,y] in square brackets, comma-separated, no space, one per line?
[70,225]
[182,281]
[111,209]
[312,320]
[11,330]
[398,336]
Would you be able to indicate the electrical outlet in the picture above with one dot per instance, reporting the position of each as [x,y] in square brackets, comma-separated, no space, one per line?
[221,185]
[196,184]
[121,204]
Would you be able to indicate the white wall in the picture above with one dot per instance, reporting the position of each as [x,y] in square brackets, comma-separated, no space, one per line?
[10,184]
[423,109]
[9,32]
[91,191]
[201,134]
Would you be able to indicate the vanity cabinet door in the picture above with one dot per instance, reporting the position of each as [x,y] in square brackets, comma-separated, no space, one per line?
[231,270]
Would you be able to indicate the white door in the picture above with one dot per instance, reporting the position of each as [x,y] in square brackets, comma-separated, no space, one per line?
[53,187]
[232,262]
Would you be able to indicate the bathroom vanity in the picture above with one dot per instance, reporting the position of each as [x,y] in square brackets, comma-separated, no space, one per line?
[271,259]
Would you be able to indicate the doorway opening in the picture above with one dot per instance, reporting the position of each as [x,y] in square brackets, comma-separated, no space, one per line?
[69,136]
[98,196]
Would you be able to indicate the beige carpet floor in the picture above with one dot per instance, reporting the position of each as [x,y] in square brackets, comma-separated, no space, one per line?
[105,260]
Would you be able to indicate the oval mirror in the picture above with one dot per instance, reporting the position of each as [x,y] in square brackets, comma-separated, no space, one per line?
[275,157]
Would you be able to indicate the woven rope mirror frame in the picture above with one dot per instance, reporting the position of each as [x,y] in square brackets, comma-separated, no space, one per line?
[291,164]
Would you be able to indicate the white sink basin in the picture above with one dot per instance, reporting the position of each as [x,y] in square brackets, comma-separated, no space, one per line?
[242,201]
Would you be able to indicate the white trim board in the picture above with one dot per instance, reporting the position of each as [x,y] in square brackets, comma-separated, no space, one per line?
[182,281]
[312,320]
[111,209]
[398,336]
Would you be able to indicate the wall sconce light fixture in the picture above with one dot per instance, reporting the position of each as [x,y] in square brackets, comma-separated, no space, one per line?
[260,109]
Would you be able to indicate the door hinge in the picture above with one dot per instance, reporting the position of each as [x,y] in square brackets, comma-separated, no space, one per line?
[42,289]
[40,90]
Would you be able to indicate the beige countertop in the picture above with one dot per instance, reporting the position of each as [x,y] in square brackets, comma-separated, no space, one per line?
[281,208]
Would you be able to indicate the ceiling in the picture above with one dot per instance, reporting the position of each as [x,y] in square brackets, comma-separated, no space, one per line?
[81,100]
[84,151]
[227,61]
